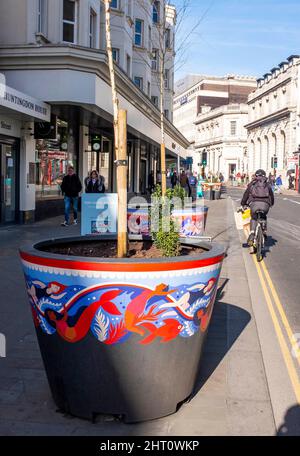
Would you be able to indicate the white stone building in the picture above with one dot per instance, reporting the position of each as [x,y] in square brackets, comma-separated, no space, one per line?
[54,50]
[222,139]
[274,116]
[209,92]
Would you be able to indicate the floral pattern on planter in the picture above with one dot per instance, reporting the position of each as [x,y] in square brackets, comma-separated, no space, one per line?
[178,304]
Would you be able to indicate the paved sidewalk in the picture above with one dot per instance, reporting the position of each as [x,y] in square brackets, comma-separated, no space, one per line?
[231,397]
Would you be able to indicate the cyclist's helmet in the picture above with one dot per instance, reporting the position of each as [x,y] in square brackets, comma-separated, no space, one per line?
[260,172]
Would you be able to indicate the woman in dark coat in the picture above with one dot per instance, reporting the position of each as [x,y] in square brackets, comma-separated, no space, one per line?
[94,183]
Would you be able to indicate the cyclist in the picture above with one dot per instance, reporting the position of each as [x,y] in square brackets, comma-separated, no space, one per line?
[259,196]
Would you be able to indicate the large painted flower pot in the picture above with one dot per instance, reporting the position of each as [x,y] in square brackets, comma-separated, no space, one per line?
[121,337]
[191,221]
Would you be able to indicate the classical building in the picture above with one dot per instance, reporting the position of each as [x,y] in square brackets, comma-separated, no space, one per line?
[208,93]
[221,140]
[274,115]
[54,51]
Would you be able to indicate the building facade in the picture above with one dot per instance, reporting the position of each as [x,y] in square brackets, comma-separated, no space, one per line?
[207,94]
[221,138]
[274,115]
[55,51]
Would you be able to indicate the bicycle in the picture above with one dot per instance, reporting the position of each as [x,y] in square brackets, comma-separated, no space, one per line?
[259,235]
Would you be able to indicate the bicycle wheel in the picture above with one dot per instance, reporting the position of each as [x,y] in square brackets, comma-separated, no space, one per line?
[259,244]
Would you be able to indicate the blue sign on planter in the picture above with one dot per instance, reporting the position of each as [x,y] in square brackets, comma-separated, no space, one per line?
[99,213]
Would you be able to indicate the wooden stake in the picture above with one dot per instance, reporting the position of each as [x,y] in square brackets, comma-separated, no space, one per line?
[162,99]
[120,136]
[122,167]
[163,169]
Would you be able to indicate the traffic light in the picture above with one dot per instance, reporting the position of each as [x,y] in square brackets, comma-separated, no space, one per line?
[274,162]
[204,158]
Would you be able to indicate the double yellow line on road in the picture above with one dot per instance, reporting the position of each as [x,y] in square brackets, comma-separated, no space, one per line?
[269,293]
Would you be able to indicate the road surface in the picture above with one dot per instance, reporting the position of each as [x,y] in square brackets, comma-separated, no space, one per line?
[283,251]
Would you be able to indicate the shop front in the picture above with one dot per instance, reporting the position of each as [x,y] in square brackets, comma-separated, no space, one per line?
[54,152]
[85,136]
[9,178]
[18,112]
[296,172]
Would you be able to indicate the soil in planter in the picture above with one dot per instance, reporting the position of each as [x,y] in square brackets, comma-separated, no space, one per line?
[108,249]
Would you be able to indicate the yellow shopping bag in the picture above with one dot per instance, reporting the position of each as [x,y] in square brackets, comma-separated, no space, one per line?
[246,216]
[242,219]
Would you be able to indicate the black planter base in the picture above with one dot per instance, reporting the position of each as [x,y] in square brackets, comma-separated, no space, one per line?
[121,338]
[135,382]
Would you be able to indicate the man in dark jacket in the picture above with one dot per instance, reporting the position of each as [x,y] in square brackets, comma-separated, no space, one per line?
[259,196]
[71,187]
[174,178]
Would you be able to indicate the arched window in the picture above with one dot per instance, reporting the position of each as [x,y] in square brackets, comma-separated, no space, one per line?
[252,156]
[282,158]
[259,154]
[267,164]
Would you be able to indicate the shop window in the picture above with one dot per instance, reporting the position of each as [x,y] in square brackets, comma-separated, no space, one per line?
[100,160]
[52,159]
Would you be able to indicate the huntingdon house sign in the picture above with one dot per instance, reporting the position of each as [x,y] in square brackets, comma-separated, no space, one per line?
[25,104]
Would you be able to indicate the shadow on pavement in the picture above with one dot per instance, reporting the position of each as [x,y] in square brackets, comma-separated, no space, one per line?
[291,425]
[227,324]
[271,242]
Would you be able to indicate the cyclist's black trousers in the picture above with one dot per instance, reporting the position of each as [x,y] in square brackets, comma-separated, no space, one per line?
[258,206]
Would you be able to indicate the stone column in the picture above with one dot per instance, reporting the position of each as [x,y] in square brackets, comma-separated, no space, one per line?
[83,156]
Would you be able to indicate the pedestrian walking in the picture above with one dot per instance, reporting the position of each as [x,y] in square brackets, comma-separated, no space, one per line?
[184,182]
[278,183]
[71,187]
[291,182]
[94,183]
[151,182]
[271,180]
[174,178]
[158,178]
[193,181]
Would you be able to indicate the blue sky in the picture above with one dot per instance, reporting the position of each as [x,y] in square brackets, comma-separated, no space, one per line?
[247,37]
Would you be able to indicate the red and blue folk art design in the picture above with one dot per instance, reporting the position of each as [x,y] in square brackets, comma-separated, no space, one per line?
[115,305]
